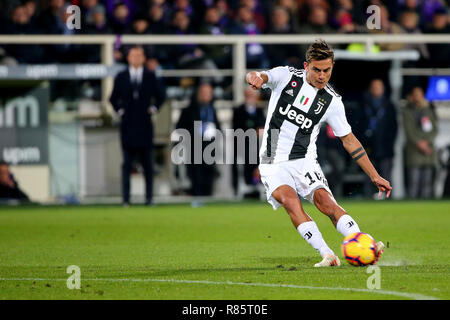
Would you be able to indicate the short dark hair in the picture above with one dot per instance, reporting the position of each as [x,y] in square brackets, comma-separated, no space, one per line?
[139,17]
[319,50]
[136,47]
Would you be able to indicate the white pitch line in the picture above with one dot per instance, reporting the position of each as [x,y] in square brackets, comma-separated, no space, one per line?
[414,296]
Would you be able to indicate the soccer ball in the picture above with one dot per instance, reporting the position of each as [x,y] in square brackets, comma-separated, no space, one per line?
[359,249]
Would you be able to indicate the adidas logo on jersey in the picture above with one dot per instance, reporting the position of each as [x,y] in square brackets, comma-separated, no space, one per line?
[290,92]
[292,114]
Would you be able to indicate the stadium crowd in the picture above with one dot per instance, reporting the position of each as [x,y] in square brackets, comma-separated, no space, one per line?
[368,107]
[182,17]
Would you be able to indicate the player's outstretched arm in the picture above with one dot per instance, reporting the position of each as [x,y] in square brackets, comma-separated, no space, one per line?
[357,152]
[256,79]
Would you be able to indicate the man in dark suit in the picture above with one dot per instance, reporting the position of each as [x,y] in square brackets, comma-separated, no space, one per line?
[201,108]
[247,116]
[137,94]
[379,122]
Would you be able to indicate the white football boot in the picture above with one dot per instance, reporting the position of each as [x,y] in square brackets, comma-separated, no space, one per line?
[379,249]
[329,260]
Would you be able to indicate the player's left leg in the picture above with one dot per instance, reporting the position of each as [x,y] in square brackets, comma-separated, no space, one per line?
[326,204]
[343,222]
[314,187]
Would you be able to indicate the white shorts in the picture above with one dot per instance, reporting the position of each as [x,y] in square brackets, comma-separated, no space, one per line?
[302,175]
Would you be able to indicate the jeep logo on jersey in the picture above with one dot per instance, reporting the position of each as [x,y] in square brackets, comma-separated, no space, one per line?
[292,114]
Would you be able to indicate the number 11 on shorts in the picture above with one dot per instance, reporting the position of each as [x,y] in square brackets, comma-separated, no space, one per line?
[311,180]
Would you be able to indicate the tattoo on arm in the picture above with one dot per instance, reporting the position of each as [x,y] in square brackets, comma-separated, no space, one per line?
[358,154]
[362,154]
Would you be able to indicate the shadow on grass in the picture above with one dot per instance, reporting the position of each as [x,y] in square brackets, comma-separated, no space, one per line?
[286,261]
[206,270]
[275,264]
[268,264]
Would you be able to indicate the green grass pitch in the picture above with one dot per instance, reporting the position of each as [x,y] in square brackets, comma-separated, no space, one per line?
[217,251]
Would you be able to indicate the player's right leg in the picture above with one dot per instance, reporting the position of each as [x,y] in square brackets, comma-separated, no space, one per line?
[306,227]
[288,198]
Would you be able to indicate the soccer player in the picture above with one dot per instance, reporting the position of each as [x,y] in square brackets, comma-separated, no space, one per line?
[301,100]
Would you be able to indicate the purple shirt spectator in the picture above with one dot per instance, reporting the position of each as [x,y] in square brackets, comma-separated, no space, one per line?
[121,18]
[111,4]
[245,24]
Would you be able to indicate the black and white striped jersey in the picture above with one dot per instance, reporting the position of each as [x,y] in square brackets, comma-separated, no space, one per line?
[295,113]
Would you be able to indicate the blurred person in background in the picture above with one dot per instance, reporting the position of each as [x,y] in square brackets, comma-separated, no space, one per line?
[421,127]
[244,23]
[195,10]
[431,6]
[220,54]
[379,122]
[281,22]
[137,95]
[21,24]
[54,21]
[343,14]
[225,12]
[287,54]
[9,188]
[258,12]
[121,18]
[332,158]
[388,27]
[49,21]
[445,163]
[439,52]
[158,19]
[98,25]
[6,59]
[88,9]
[412,6]
[189,55]
[131,7]
[424,8]
[292,8]
[306,6]
[248,116]
[186,7]
[346,18]
[201,108]
[139,25]
[154,53]
[31,8]
[317,23]
[409,21]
